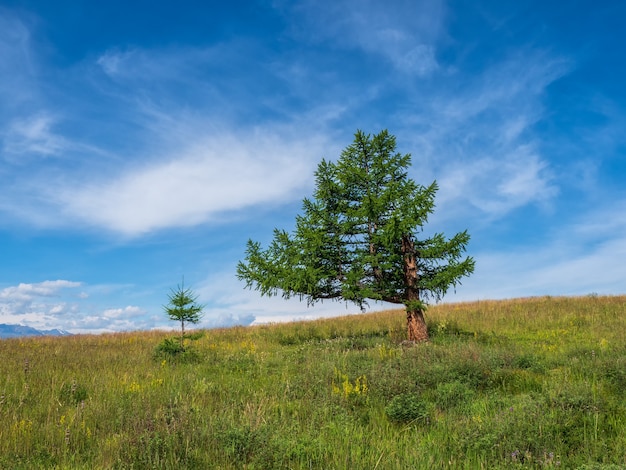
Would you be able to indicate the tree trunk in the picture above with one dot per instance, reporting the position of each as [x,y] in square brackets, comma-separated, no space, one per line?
[416,325]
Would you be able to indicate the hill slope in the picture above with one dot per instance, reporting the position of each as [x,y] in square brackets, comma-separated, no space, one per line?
[527,383]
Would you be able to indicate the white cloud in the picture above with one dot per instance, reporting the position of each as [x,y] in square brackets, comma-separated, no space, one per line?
[33,135]
[420,60]
[404,33]
[17,65]
[133,320]
[143,65]
[533,271]
[39,305]
[128,311]
[183,171]
[140,65]
[55,304]
[581,257]
[27,292]
[110,320]
[477,138]
[111,62]
[497,186]
[196,185]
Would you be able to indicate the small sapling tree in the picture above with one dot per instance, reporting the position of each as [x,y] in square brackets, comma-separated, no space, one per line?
[183,307]
[358,238]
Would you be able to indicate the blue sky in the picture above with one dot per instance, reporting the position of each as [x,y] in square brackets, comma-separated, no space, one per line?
[141,142]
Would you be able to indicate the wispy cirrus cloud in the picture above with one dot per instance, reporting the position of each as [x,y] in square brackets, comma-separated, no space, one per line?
[184,171]
[579,257]
[478,137]
[186,166]
[491,159]
[561,267]
[195,185]
[495,185]
[405,35]
[18,66]
[33,135]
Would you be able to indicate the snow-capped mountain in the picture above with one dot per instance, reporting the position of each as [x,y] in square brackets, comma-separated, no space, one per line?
[16,331]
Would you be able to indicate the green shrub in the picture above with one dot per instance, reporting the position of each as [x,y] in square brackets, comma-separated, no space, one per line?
[407,408]
[172,350]
[169,347]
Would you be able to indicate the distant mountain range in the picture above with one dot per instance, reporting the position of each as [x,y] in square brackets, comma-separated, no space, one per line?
[17,331]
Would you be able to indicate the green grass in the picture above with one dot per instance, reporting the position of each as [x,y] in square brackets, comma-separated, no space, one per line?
[529,383]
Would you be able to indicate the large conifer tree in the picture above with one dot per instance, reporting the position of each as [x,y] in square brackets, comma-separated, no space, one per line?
[359,238]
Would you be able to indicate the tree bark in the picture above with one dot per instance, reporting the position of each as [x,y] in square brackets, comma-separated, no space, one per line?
[416,325]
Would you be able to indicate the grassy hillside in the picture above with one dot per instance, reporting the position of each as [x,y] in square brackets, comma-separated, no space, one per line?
[532,383]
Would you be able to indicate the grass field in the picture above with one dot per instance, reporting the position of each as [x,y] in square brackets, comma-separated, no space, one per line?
[528,383]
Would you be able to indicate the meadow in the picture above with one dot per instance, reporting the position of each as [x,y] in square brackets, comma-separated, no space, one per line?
[524,383]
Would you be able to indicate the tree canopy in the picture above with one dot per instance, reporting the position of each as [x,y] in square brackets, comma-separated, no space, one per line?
[358,238]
